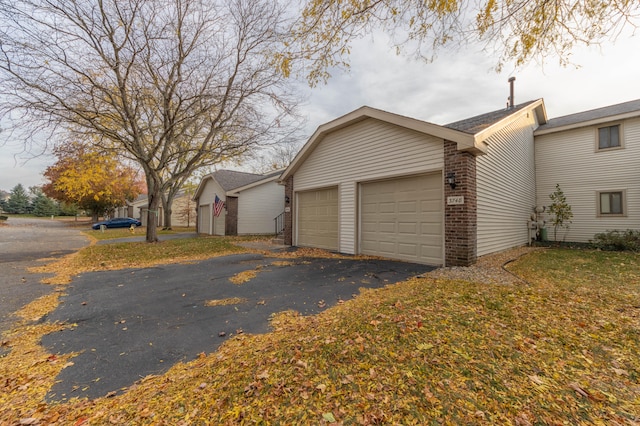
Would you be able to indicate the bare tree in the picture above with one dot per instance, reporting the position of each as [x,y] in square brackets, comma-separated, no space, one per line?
[275,157]
[173,84]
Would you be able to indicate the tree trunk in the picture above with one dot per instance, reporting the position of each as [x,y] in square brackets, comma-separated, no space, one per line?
[167,203]
[155,196]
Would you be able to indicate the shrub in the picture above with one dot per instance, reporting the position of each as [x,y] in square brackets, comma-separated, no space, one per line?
[615,240]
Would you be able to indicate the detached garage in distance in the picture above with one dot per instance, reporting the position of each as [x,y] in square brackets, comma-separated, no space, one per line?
[376,183]
[230,202]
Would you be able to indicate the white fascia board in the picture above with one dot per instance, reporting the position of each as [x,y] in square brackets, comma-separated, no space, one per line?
[236,191]
[465,141]
[201,186]
[536,107]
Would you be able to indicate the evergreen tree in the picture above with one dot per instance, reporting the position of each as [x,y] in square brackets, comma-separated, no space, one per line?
[18,202]
[43,205]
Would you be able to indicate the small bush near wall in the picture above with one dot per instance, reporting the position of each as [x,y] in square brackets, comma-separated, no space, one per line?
[618,240]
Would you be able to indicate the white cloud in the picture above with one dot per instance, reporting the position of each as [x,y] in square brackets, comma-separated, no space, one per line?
[462,83]
[457,85]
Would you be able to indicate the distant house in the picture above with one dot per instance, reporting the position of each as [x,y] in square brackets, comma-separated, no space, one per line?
[237,203]
[377,183]
[183,211]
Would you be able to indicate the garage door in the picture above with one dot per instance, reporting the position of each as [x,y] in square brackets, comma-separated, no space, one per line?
[204,220]
[318,218]
[402,219]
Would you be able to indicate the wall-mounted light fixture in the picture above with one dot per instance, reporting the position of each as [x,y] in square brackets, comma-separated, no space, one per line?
[287,200]
[451,180]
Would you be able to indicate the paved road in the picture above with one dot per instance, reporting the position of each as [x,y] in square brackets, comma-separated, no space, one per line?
[136,322]
[22,243]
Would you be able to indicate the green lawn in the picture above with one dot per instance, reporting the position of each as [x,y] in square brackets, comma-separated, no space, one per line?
[561,348]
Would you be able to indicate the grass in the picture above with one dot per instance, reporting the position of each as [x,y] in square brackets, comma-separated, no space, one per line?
[140,254]
[115,233]
[561,350]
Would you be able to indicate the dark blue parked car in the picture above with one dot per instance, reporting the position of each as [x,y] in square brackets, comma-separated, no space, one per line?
[118,222]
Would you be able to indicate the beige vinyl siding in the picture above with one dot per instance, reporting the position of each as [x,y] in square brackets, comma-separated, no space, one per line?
[506,187]
[258,206]
[364,151]
[570,159]
[207,198]
[178,211]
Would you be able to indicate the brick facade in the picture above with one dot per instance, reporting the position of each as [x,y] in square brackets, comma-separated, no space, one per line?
[231,218]
[460,222]
[288,211]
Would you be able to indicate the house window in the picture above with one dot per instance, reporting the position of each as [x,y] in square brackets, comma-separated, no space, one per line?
[611,203]
[609,137]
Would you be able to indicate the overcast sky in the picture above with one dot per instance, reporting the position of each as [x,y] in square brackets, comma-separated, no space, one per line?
[456,85]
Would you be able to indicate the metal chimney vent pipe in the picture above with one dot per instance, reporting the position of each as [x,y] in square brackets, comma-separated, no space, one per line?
[512,102]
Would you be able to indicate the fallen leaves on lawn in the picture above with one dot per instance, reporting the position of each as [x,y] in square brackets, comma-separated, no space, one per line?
[561,350]
[27,372]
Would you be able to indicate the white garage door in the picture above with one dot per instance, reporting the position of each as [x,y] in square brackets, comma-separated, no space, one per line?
[204,220]
[402,219]
[318,218]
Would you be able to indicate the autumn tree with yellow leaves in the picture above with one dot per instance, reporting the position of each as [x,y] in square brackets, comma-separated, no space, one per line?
[518,31]
[93,181]
[173,85]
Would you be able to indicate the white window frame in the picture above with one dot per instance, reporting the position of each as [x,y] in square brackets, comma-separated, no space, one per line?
[623,203]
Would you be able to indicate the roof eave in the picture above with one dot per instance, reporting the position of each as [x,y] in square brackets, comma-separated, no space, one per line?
[201,186]
[587,123]
[465,141]
[236,191]
[536,107]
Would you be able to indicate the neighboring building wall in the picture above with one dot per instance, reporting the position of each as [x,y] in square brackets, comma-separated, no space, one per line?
[288,212]
[570,158]
[365,151]
[460,220]
[183,212]
[258,207]
[506,183]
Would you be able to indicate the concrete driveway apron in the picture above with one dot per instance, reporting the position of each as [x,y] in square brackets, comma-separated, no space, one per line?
[136,322]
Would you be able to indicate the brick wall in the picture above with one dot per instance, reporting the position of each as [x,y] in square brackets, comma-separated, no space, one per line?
[460,223]
[288,215]
[231,218]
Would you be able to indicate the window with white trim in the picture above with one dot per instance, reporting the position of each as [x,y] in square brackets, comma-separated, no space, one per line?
[611,203]
[609,137]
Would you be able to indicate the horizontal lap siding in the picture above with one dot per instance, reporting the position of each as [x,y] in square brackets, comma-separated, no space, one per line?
[506,187]
[367,150]
[207,197]
[569,158]
[258,207]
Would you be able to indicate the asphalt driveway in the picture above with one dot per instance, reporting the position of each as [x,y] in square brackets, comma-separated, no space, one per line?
[23,241]
[136,322]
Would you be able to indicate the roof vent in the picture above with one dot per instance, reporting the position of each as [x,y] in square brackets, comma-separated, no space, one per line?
[511,104]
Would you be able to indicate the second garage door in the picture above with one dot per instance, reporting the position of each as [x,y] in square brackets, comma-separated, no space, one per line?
[318,218]
[402,219]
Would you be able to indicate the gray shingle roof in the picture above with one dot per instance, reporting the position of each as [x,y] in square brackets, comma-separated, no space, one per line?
[231,179]
[594,114]
[478,123]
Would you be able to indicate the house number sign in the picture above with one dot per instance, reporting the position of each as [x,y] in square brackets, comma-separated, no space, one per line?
[454,201]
